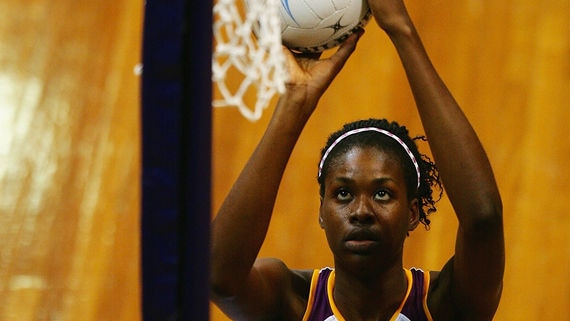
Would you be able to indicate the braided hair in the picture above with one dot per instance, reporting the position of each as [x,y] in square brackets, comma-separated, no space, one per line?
[429,176]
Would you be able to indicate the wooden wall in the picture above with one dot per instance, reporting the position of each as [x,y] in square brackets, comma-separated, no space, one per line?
[70,152]
[508,64]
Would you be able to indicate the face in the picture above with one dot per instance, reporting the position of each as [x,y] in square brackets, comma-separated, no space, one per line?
[365,210]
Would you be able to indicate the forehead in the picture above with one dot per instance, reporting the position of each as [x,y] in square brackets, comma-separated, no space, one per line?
[371,162]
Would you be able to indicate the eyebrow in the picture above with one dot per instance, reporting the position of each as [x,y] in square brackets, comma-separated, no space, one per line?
[376,181]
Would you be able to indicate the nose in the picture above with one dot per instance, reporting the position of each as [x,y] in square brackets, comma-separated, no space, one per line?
[362,213]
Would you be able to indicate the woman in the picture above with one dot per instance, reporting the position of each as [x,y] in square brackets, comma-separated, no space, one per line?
[375,188]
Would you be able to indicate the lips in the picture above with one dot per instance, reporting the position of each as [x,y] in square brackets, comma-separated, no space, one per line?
[361,235]
[361,241]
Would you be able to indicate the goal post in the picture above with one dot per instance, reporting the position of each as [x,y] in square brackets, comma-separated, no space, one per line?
[176,131]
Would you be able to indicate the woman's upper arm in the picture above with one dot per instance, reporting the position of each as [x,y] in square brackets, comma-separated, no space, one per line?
[478,266]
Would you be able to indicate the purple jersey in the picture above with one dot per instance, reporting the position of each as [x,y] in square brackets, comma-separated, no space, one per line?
[321,306]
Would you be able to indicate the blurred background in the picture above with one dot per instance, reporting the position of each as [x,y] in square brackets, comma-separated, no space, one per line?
[69,160]
[70,150]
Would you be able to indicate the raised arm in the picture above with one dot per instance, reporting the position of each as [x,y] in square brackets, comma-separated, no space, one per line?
[242,287]
[475,273]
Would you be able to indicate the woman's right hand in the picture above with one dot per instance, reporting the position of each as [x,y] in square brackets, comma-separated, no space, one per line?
[309,76]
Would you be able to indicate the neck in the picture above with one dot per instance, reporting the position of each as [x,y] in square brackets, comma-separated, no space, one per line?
[369,297]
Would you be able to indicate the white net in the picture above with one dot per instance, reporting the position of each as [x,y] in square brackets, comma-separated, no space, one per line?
[245,64]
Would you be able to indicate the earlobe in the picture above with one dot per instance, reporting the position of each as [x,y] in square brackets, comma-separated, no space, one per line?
[321,221]
[414,219]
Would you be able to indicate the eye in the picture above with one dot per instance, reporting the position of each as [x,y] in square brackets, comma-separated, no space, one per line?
[343,195]
[382,195]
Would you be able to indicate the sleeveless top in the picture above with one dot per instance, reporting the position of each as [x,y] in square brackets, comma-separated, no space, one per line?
[321,306]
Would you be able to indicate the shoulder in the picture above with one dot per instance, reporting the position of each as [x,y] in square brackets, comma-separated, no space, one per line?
[443,301]
[440,299]
[277,271]
[293,286]
[271,291]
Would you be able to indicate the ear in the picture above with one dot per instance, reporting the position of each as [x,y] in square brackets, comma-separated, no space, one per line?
[414,214]
[321,221]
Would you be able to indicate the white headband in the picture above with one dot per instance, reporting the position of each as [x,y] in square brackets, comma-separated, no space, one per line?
[382,131]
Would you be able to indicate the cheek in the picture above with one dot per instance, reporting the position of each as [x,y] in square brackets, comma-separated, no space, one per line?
[332,232]
[400,219]
[331,211]
[328,216]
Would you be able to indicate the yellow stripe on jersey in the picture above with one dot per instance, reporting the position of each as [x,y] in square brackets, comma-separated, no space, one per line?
[312,290]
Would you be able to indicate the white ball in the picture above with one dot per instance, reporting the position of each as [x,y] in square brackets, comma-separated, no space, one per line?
[317,25]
